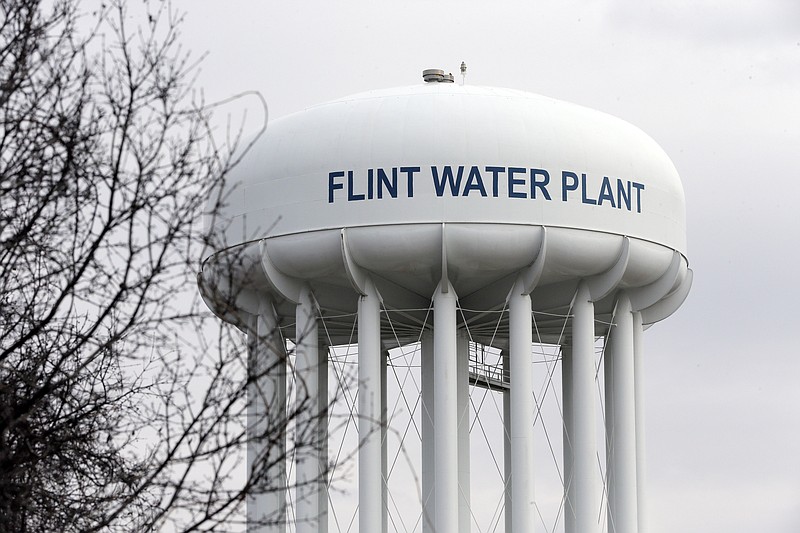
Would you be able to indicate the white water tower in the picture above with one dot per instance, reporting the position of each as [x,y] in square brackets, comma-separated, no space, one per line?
[465,203]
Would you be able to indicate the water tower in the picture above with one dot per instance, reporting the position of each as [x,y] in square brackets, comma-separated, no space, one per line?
[463,203]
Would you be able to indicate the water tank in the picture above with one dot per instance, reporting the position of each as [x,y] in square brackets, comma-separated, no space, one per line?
[440,212]
[436,180]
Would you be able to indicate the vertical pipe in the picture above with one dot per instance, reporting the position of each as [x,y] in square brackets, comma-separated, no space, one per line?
[266,411]
[462,393]
[566,395]
[322,438]
[520,336]
[638,383]
[370,476]
[507,444]
[445,409]
[384,443]
[585,476]
[608,378]
[310,465]
[428,435]
[622,465]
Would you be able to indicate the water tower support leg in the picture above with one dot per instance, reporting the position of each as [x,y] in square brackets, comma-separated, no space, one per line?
[585,476]
[566,402]
[446,409]
[608,376]
[311,502]
[507,446]
[462,384]
[522,411]
[638,383]
[428,436]
[322,437]
[384,443]
[266,406]
[370,415]
[621,463]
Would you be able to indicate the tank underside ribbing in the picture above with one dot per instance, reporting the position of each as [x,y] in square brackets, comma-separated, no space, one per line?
[481,261]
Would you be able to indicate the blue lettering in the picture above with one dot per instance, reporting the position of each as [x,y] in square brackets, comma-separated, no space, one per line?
[370,184]
[639,188]
[383,180]
[350,195]
[512,182]
[381,183]
[332,185]
[474,182]
[606,193]
[539,184]
[409,171]
[623,195]
[495,171]
[571,186]
[584,198]
[447,175]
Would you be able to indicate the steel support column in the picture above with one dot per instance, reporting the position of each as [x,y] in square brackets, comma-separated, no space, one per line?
[566,406]
[585,476]
[428,435]
[384,442]
[445,409]
[520,336]
[311,504]
[507,446]
[462,393]
[621,422]
[638,383]
[266,411]
[370,414]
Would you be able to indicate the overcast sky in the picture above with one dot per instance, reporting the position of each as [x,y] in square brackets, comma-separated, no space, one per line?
[717,84]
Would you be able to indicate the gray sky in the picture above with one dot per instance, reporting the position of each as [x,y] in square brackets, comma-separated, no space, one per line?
[717,84]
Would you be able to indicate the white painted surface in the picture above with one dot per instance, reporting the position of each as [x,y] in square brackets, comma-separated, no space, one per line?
[282,186]
[523,412]
[266,397]
[370,452]
[583,390]
[621,425]
[445,410]
[311,502]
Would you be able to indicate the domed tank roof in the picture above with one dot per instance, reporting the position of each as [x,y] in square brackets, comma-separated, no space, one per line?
[447,153]
[441,184]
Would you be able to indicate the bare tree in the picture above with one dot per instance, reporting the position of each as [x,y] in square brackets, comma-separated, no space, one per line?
[121,406]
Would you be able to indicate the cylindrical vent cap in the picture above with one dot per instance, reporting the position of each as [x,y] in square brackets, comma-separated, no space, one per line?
[436,75]
[433,74]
